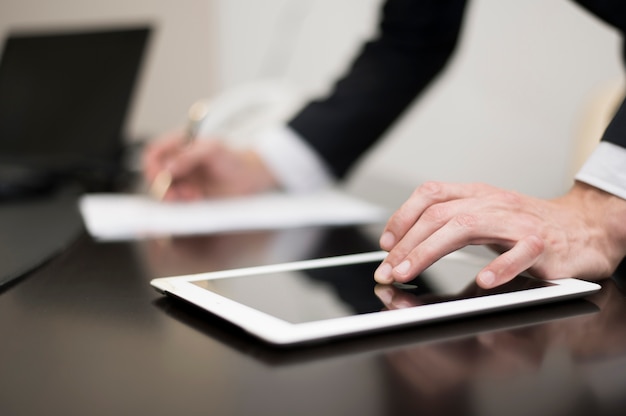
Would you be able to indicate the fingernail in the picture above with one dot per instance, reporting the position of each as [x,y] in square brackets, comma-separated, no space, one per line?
[403,268]
[383,274]
[487,278]
[387,240]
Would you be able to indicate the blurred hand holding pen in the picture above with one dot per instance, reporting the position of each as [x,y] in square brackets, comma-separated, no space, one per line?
[196,115]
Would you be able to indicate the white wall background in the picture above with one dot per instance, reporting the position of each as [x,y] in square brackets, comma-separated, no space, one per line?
[509,109]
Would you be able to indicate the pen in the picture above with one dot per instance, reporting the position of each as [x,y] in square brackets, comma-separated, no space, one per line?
[196,115]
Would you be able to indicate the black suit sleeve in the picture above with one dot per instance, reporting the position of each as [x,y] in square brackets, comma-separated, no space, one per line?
[416,39]
[616,131]
[613,12]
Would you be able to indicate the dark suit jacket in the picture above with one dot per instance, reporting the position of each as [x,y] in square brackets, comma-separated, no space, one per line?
[415,40]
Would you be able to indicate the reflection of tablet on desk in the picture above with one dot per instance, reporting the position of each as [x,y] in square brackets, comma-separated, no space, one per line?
[314,300]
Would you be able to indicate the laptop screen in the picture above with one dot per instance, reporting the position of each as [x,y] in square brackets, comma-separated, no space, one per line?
[64,97]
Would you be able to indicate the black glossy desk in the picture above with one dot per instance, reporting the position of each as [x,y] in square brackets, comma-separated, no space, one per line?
[85,334]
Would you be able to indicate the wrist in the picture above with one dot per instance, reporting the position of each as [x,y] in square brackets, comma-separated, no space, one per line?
[605,216]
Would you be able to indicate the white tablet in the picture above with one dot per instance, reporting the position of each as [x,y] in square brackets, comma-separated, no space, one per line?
[316,300]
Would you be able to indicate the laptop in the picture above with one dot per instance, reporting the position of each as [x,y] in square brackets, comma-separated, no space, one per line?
[64,100]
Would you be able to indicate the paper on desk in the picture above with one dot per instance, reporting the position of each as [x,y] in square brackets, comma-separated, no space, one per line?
[123,216]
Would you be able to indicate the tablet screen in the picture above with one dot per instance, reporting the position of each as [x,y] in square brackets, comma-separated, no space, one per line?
[338,291]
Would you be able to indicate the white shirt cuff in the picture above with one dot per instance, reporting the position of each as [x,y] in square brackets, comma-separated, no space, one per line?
[606,169]
[292,161]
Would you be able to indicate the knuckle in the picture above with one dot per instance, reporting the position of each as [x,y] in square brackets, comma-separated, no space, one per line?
[535,245]
[506,263]
[401,218]
[424,256]
[466,221]
[430,189]
[436,214]
[505,267]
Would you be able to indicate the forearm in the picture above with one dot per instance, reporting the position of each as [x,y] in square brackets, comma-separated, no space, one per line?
[416,40]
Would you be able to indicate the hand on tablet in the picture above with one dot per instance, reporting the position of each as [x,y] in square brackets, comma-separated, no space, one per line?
[204,168]
[581,234]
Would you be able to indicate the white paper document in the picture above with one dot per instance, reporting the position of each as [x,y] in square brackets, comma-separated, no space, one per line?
[125,216]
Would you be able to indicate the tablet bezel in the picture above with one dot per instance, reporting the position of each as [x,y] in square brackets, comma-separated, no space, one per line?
[280,332]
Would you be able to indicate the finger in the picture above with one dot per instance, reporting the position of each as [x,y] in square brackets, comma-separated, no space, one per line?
[448,226]
[190,193]
[194,156]
[157,153]
[183,191]
[522,256]
[432,219]
[462,230]
[424,196]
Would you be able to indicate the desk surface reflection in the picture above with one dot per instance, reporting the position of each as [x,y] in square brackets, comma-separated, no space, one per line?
[86,334]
